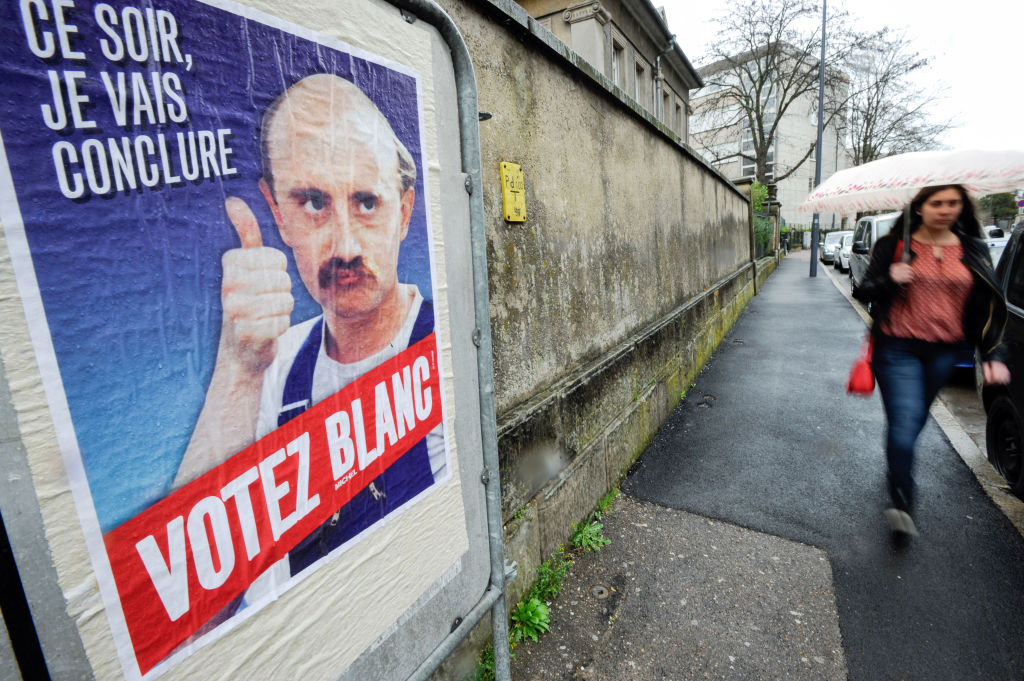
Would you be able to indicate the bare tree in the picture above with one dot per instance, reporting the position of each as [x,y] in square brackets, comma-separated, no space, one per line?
[888,111]
[764,63]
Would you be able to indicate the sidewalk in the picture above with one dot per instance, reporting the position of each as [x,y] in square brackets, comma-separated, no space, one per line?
[749,542]
[679,596]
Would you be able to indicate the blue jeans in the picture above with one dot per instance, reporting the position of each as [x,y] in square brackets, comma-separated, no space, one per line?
[910,374]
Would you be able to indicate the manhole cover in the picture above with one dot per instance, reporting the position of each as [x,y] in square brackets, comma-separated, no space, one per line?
[599,592]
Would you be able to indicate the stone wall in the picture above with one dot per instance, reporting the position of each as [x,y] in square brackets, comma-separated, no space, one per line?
[608,300]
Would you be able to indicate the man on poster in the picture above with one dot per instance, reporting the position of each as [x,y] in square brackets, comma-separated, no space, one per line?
[340,186]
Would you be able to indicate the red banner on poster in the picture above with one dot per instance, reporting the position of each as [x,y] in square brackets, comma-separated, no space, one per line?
[183,560]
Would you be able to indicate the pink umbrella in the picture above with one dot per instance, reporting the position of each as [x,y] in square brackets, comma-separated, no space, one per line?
[891,183]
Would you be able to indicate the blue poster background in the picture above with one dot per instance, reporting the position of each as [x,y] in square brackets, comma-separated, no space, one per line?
[130,283]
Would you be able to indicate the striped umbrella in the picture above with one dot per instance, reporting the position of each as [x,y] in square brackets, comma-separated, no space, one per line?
[891,183]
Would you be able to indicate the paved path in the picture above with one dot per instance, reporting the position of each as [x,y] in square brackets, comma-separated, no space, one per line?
[679,596]
[767,440]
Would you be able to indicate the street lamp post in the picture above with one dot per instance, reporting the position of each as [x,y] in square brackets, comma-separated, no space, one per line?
[817,147]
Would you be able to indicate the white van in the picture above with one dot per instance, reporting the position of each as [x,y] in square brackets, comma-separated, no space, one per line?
[868,230]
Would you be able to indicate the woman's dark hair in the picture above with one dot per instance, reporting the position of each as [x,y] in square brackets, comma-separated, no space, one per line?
[967,223]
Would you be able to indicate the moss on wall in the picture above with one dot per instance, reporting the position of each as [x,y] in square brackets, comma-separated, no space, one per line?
[632,265]
[607,302]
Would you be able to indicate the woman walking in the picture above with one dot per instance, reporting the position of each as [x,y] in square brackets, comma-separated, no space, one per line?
[925,310]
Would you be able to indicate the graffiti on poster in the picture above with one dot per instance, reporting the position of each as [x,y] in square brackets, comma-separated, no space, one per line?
[219,226]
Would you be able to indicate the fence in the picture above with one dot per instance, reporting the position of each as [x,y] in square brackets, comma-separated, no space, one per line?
[762,234]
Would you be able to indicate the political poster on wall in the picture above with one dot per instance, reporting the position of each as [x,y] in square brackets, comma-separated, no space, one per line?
[220,231]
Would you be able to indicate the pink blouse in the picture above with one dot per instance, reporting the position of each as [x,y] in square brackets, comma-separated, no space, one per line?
[932,305]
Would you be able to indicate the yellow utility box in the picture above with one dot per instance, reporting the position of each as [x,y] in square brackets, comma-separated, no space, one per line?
[513,192]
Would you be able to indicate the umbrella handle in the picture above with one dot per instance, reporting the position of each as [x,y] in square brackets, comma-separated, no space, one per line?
[905,255]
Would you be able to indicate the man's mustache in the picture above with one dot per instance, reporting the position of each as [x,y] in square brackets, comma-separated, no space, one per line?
[358,266]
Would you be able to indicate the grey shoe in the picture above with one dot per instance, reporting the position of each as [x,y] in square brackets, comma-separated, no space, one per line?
[900,522]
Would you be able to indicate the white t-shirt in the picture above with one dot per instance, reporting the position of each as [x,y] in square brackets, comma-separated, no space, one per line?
[329,377]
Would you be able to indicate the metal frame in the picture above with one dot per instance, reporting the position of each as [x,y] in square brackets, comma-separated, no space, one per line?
[493,598]
[53,648]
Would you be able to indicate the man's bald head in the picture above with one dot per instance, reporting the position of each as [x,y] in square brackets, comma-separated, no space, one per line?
[320,101]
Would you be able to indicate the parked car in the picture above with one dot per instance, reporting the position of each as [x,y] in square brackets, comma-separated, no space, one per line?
[842,257]
[1004,404]
[868,230]
[829,244]
[995,248]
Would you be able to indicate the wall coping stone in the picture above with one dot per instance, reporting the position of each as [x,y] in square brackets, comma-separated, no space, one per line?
[515,19]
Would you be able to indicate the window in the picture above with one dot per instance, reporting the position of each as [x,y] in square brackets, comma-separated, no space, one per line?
[702,122]
[666,108]
[860,233]
[679,118]
[747,151]
[618,63]
[720,153]
[638,85]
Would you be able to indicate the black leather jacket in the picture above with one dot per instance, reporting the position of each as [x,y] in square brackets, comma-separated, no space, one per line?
[984,313]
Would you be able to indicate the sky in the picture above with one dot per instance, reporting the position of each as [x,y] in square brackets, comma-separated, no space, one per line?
[977,52]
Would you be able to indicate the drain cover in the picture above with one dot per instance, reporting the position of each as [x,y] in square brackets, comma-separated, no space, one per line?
[599,592]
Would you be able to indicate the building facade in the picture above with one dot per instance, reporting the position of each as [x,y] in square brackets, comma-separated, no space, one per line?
[629,42]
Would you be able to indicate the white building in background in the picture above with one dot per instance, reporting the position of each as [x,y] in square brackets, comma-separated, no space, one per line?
[724,139]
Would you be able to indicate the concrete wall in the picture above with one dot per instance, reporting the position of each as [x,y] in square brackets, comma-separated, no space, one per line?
[633,264]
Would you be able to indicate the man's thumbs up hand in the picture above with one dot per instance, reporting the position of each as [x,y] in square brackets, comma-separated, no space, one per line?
[256,296]
[244,222]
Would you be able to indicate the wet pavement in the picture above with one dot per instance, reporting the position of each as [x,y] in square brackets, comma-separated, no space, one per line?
[959,414]
[680,596]
[750,541]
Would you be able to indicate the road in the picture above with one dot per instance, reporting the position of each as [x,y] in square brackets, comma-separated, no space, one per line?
[767,440]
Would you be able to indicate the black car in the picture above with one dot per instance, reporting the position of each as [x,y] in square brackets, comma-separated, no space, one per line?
[1004,404]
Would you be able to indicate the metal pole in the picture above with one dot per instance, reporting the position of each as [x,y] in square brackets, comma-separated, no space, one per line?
[753,239]
[817,147]
[835,169]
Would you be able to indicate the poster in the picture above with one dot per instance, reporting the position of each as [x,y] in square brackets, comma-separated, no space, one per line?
[221,231]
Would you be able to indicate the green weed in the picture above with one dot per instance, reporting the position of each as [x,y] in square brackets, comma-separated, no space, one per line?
[586,536]
[607,499]
[549,576]
[484,666]
[530,619]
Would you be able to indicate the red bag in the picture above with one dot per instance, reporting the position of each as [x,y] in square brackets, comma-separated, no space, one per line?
[862,379]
